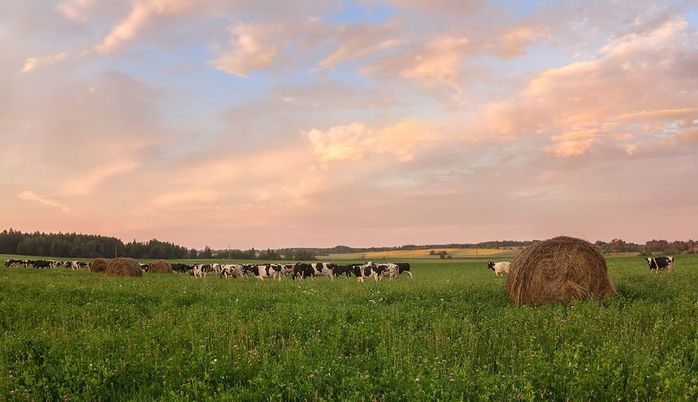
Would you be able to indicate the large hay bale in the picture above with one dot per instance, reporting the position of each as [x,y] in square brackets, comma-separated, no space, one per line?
[561,269]
[123,267]
[99,265]
[160,267]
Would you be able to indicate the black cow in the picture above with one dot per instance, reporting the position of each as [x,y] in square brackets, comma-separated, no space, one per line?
[338,270]
[181,268]
[657,263]
[404,268]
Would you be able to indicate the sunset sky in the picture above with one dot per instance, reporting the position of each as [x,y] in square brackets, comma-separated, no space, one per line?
[366,123]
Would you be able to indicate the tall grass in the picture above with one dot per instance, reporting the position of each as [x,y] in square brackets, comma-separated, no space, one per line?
[449,334]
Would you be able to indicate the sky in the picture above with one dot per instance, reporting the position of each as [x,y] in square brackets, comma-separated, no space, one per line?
[256,123]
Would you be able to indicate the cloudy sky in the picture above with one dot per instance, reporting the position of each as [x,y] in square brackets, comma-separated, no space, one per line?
[316,122]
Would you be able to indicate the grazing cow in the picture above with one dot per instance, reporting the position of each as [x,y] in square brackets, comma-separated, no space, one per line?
[323,269]
[302,270]
[233,270]
[499,268]
[404,268]
[181,268]
[657,263]
[144,267]
[200,270]
[41,264]
[273,271]
[338,270]
[75,265]
[289,269]
[370,270]
[392,271]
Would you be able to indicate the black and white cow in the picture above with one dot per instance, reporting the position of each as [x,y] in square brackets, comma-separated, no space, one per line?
[75,265]
[232,270]
[323,269]
[302,270]
[200,270]
[657,263]
[370,270]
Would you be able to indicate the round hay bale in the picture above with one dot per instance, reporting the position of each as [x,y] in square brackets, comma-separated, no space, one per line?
[160,267]
[123,267]
[99,265]
[561,269]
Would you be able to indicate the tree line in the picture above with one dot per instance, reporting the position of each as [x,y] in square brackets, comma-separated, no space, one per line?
[649,248]
[93,246]
[84,246]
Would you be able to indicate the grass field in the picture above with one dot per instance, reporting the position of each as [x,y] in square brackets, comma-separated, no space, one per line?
[450,334]
[418,254]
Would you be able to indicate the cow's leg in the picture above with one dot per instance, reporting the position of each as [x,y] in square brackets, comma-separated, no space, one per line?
[409,273]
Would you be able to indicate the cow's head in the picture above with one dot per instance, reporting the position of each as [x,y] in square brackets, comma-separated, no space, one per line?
[490,265]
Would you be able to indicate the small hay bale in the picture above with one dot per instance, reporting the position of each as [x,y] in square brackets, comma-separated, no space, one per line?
[160,267]
[561,269]
[99,265]
[123,267]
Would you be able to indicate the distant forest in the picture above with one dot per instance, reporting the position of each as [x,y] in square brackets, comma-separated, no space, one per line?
[92,246]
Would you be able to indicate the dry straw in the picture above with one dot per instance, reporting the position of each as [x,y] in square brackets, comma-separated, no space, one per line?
[160,267]
[123,267]
[99,265]
[561,269]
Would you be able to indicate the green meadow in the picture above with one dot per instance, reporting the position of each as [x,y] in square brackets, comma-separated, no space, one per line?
[449,334]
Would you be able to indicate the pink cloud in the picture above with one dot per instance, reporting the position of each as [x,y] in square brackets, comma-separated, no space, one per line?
[75,10]
[141,14]
[636,78]
[33,63]
[252,49]
[355,141]
[31,196]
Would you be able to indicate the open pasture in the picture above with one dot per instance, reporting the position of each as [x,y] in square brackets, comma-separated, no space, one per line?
[452,333]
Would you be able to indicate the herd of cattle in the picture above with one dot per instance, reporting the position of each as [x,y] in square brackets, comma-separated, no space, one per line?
[301,270]
[39,264]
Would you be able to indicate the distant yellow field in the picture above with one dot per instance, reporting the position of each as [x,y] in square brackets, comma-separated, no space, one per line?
[396,254]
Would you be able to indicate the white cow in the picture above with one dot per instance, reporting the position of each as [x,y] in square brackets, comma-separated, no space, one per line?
[499,268]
